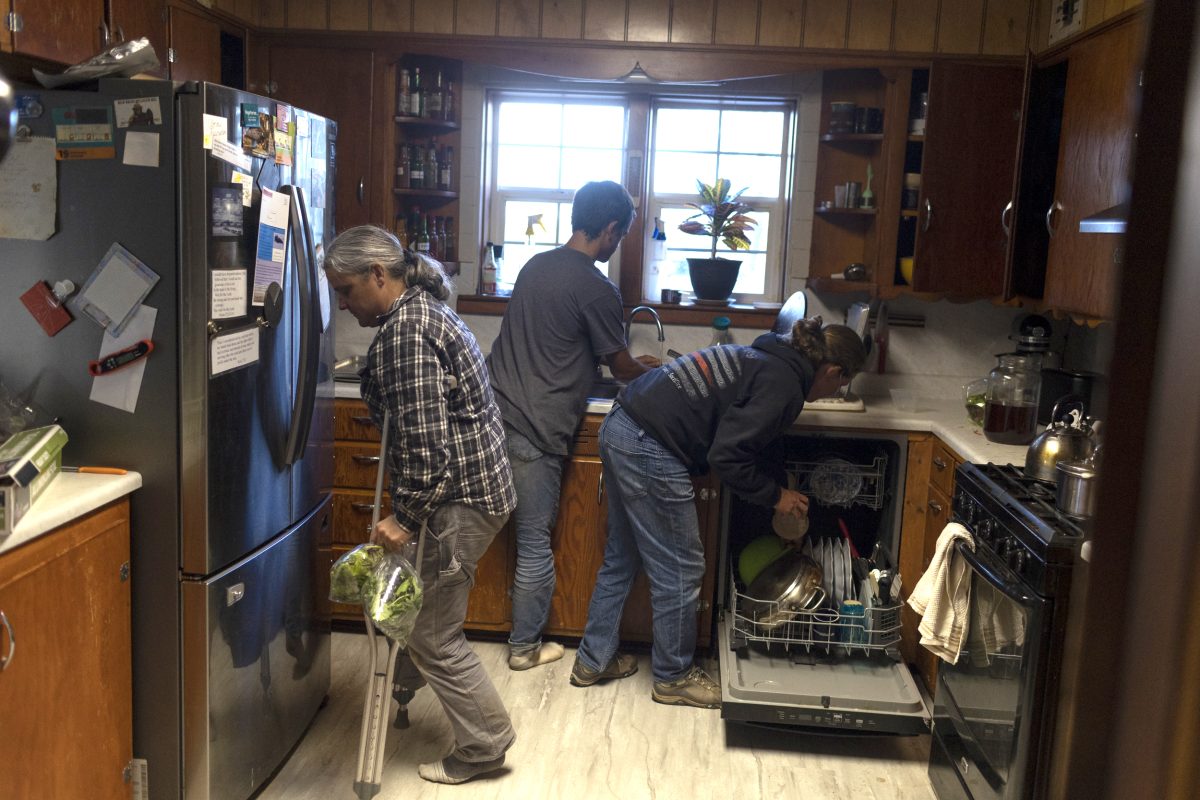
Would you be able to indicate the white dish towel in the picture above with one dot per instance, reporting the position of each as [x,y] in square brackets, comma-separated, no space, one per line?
[943,596]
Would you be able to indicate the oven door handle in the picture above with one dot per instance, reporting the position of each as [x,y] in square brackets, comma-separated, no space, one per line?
[1013,591]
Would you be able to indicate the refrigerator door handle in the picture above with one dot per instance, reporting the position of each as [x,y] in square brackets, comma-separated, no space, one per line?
[310,345]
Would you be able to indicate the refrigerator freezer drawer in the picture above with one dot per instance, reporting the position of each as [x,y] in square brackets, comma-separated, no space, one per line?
[256,662]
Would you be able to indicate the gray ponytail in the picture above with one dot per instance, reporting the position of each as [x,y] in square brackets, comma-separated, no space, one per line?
[354,251]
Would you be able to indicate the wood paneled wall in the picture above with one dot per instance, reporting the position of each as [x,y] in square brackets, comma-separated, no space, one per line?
[970,27]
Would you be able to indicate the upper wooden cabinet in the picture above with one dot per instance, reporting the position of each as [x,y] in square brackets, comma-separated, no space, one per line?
[345,93]
[196,45]
[66,31]
[133,19]
[970,152]
[1094,155]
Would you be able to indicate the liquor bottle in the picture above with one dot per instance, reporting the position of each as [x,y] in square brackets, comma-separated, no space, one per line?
[444,168]
[404,94]
[401,231]
[416,173]
[414,226]
[435,97]
[449,241]
[423,238]
[431,166]
[416,99]
[487,284]
[402,167]
[450,103]
[435,243]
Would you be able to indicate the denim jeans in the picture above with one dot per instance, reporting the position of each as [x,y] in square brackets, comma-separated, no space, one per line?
[652,524]
[456,539]
[537,478]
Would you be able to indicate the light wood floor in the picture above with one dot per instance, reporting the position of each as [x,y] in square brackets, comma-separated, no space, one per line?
[604,741]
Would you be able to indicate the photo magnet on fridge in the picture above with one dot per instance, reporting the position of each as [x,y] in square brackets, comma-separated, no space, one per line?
[265,144]
[226,210]
[249,115]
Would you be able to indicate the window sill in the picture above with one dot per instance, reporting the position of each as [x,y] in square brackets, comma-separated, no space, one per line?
[740,315]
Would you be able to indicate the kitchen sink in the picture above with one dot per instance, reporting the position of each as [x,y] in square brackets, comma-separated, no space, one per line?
[605,389]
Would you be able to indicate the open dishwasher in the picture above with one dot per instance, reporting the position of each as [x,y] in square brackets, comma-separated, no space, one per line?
[823,668]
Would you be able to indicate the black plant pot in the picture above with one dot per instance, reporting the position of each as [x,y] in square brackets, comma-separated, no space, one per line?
[713,278]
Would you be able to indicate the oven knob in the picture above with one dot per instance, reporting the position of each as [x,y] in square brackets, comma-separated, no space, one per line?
[1003,546]
[1016,560]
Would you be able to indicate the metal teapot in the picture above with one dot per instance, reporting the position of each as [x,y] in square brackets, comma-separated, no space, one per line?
[1070,437]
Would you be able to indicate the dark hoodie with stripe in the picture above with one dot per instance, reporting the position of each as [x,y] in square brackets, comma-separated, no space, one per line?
[722,407]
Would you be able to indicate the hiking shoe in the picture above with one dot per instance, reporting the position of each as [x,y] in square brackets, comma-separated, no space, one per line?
[545,654]
[693,689]
[622,666]
[452,770]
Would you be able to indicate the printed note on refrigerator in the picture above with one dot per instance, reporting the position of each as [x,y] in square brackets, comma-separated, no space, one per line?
[233,350]
[271,252]
[230,154]
[215,128]
[228,293]
[28,190]
[141,149]
[247,184]
[120,389]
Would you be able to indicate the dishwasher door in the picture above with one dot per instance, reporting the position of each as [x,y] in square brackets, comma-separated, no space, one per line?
[823,669]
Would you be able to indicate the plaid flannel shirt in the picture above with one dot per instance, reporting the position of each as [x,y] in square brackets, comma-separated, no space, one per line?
[446,443]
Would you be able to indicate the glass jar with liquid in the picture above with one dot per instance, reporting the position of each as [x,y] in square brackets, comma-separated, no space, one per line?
[1011,404]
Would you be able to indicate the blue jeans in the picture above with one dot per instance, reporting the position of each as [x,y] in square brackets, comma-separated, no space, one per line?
[652,524]
[537,478]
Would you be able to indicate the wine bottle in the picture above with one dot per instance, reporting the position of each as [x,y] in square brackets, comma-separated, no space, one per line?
[450,103]
[416,173]
[435,241]
[444,167]
[423,238]
[416,102]
[404,94]
[431,166]
[435,97]
[449,243]
[403,166]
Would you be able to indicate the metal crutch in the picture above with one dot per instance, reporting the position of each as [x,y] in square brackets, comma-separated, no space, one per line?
[373,737]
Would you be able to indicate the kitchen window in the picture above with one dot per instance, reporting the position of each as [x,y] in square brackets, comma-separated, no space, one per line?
[543,146]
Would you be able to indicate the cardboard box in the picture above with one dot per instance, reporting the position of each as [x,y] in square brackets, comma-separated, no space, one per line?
[29,462]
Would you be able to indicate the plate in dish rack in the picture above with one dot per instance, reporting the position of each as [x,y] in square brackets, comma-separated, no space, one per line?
[835,482]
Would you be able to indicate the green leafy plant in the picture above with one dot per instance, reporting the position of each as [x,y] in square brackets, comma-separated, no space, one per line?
[721,216]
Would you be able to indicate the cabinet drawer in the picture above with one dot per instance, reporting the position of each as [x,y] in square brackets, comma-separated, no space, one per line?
[587,436]
[355,466]
[937,511]
[352,516]
[351,420]
[941,468]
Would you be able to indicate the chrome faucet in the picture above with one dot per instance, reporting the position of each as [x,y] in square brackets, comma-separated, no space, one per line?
[652,313]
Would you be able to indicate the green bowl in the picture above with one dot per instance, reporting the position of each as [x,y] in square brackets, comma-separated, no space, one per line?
[756,555]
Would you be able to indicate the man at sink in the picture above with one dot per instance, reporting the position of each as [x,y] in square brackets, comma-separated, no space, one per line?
[720,407]
[563,319]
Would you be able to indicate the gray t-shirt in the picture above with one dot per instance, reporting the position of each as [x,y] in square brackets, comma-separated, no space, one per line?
[563,316]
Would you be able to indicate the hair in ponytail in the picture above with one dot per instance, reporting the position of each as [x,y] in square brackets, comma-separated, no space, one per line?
[829,344]
[354,251]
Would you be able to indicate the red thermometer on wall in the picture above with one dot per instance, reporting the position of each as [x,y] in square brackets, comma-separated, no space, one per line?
[121,358]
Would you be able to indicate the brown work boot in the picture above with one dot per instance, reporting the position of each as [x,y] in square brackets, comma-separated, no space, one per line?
[693,689]
[622,666]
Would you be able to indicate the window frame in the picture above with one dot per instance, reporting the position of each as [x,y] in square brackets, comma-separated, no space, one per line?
[637,161]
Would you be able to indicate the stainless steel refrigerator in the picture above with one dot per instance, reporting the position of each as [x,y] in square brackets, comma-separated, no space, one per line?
[231,528]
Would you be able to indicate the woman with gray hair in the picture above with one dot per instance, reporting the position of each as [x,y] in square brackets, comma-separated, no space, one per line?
[448,468]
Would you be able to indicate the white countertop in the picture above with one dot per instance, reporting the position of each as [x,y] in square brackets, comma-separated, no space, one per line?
[68,497]
[946,419]
[346,390]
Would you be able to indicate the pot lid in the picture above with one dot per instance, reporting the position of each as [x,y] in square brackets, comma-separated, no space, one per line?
[1078,469]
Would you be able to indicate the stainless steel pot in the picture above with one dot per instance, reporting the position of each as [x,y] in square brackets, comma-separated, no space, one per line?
[1076,491]
[788,584]
[1069,438]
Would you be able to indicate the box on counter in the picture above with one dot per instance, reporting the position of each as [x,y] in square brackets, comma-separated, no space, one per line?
[29,462]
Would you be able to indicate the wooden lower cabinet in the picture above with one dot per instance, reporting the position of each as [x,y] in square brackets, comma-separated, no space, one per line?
[928,492]
[66,686]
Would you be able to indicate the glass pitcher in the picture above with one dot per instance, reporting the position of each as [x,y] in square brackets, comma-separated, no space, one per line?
[1011,405]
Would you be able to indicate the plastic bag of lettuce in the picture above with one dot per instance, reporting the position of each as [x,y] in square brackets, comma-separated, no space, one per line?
[386,584]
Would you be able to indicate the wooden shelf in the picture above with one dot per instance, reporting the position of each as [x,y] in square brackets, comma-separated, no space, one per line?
[855,212]
[916,137]
[439,125]
[438,193]
[910,212]
[826,284]
[852,137]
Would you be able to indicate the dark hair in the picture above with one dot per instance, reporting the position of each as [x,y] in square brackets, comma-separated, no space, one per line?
[599,203]
[354,251]
[831,344]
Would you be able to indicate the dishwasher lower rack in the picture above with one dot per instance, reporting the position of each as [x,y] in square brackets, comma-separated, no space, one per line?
[820,630]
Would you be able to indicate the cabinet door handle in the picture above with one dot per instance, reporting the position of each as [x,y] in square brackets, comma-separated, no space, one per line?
[600,489]
[935,507]
[363,506]
[104,37]
[928,215]
[366,459]
[120,34]
[361,190]
[361,420]
[1004,220]
[939,463]
[1055,206]
[12,642]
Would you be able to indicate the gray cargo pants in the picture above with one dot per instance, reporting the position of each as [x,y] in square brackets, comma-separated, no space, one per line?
[458,536]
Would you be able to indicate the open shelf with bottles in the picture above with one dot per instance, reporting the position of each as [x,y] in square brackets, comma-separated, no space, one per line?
[426,139]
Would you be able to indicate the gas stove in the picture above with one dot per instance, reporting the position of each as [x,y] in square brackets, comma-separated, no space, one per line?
[1015,517]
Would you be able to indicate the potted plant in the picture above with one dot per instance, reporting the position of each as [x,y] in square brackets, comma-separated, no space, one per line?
[721,216]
